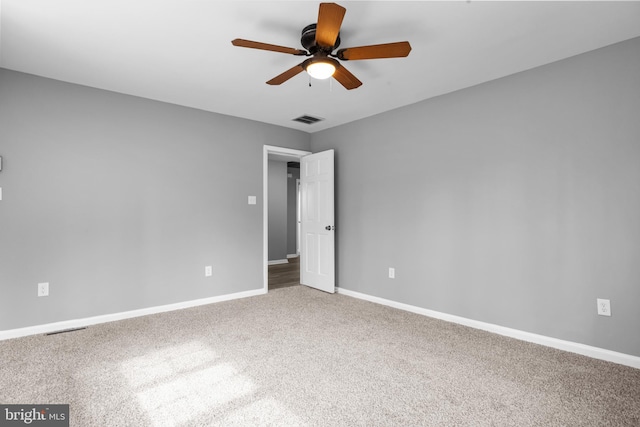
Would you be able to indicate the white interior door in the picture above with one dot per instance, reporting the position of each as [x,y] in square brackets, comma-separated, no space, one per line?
[317,257]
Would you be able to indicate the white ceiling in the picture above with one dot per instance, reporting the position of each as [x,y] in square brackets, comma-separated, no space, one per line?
[180,51]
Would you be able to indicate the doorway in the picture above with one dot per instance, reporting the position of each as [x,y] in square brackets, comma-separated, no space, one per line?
[285,269]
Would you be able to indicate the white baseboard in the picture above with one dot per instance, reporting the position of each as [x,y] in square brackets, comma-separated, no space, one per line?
[88,321]
[585,350]
[292,256]
[278,261]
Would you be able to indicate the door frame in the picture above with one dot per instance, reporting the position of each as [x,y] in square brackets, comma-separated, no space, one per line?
[298,216]
[294,155]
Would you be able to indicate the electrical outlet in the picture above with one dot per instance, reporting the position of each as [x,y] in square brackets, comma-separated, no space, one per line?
[43,289]
[208,271]
[392,273]
[604,307]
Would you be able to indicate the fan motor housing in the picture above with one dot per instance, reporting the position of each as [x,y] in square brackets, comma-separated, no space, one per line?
[308,39]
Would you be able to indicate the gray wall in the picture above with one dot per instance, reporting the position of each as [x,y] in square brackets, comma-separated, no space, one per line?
[120,202]
[277,210]
[292,219]
[515,202]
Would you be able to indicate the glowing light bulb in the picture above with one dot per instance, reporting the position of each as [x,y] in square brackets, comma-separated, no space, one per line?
[321,69]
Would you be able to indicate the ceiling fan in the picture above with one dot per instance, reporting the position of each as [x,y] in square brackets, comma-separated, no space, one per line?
[320,40]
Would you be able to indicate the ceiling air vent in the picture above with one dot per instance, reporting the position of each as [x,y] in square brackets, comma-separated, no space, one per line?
[307,120]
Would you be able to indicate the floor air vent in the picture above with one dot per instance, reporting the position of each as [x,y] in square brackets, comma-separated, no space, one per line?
[307,120]
[64,331]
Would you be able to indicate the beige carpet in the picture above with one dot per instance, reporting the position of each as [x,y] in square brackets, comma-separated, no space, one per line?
[301,357]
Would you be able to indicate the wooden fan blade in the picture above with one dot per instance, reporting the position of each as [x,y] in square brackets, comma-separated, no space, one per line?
[346,79]
[329,21]
[376,51]
[266,46]
[277,80]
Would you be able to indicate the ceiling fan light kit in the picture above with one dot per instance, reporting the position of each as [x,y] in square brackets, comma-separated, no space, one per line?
[321,68]
[320,40]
